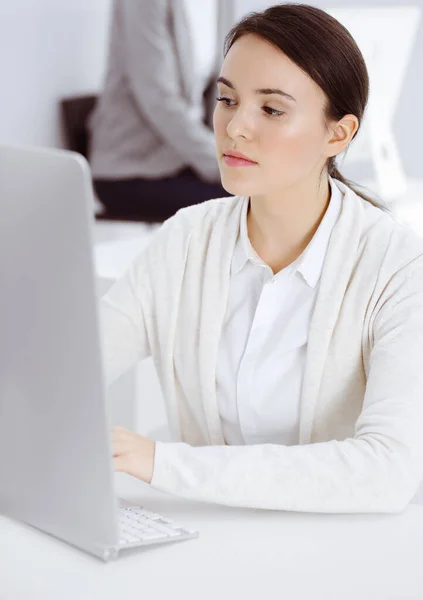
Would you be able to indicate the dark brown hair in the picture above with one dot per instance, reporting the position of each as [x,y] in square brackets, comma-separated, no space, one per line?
[324,49]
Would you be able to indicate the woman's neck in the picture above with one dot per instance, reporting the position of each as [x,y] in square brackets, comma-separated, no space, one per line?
[280,226]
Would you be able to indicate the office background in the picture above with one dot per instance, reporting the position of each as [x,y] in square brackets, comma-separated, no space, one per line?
[52,49]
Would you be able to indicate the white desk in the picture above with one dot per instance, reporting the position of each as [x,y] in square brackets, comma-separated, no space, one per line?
[241,553]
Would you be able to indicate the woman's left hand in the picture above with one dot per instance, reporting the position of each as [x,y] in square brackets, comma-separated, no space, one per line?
[132,453]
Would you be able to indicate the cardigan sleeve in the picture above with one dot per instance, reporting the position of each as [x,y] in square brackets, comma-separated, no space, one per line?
[379,469]
[124,339]
[128,312]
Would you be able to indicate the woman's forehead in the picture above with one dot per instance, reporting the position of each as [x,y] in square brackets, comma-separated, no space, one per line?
[253,63]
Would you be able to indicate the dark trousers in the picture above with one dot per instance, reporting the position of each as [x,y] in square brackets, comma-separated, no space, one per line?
[154,200]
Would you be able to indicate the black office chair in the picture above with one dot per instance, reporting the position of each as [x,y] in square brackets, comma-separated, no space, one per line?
[75,112]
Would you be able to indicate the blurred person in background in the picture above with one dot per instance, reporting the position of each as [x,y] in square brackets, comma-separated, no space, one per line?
[152,148]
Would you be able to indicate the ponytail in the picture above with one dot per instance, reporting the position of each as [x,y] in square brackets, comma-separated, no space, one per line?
[335,174]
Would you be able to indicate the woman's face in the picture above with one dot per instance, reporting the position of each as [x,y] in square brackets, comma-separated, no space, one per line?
[286,136]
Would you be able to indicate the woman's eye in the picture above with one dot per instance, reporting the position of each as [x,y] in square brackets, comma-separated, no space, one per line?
[272,111]
[267,109]
[225,100]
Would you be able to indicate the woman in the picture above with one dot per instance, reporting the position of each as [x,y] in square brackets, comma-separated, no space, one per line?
[286,322]
[152,150]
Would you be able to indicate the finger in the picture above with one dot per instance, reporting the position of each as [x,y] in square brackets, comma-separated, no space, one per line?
[118,434]
[119,464]
[119,447]
[118,430]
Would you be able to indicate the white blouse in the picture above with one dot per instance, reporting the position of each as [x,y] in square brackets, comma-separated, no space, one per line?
[263,344]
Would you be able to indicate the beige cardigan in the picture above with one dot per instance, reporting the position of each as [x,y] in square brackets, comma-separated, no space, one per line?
[361,425]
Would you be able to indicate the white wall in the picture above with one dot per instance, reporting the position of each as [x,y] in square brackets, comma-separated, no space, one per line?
[48,49]
[54,48]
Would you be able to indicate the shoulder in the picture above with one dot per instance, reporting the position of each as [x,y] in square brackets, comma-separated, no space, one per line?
[388,263]
[194,224]
[210,210]
[202,216]
[401,245]
[393,244]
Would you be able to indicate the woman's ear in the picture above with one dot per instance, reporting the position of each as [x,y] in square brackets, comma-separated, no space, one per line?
[342,134]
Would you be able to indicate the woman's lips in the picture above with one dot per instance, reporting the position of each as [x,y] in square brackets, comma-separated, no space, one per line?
[233,161]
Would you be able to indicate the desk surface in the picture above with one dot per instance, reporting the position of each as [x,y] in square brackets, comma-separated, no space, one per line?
[241,553]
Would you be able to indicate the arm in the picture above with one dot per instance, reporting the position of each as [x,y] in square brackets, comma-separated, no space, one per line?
[122,324]
[378,470]
[152,72]
[128,310]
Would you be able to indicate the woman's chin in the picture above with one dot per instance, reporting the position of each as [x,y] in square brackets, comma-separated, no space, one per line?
[237,187]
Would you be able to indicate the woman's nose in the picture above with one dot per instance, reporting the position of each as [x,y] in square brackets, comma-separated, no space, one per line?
[240,125]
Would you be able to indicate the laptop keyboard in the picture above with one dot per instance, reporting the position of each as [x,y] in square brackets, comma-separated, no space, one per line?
[139,526]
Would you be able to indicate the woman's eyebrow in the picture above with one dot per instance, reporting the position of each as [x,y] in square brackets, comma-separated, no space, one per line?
[265,91]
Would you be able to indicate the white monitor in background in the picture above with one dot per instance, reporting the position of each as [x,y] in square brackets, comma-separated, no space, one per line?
[385,36]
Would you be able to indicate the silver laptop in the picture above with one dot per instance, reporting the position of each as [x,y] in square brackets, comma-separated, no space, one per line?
[56,467]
